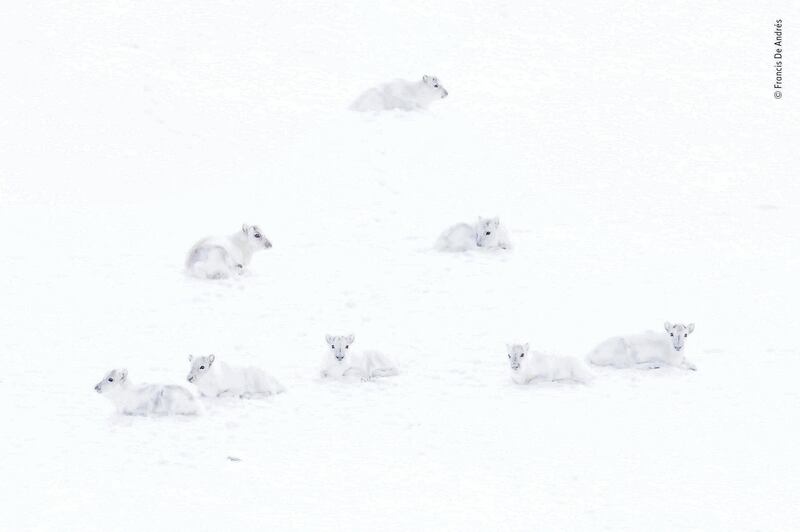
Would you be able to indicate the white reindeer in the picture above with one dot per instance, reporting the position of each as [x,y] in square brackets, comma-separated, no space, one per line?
[218,379]
[401,94]
[340,362]
[146,399]
[219,257]
[535,366]
[486,233]
[646,350]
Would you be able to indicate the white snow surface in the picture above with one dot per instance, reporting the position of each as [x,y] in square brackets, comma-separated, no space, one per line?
[634,151]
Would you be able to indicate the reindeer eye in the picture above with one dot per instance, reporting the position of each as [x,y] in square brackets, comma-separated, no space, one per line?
[333,346]
[488,233]
[347,347]
[672,334]
[202,367]
[685,335]
[257,235]
[521,355]
[110,379]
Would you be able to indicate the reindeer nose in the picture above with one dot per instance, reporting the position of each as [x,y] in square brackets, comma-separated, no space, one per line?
[267,244]
[97,388]
[190,378]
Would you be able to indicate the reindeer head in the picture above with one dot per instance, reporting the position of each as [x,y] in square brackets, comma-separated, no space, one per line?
[200,366]
[516,355]
[486,230]
[433,84]
[255,237]
[678,333]
[339,346]
[114,380]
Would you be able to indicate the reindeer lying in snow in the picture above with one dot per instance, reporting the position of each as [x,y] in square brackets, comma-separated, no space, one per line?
[217,379]
[341,363]
[486,233]
[146,399]
[646,350]
[225,256]
[401,94]
[534,366]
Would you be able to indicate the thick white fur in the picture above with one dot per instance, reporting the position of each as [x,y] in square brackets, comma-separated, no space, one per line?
[646,350]
[218,379]
[146,399]
[401,94]
[464,237]
[340,362]
[535,366]
[460,237]
[219,257]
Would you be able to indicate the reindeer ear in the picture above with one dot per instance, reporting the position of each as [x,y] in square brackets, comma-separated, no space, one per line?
[526,346]
[691,328]
[351,338]
[245,227]
[425,78]
[123,374]
[667,326]
[496,220]
[191,358]
[329,339]
[211,359]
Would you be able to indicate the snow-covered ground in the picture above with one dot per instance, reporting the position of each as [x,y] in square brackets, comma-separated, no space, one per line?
[634,151]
